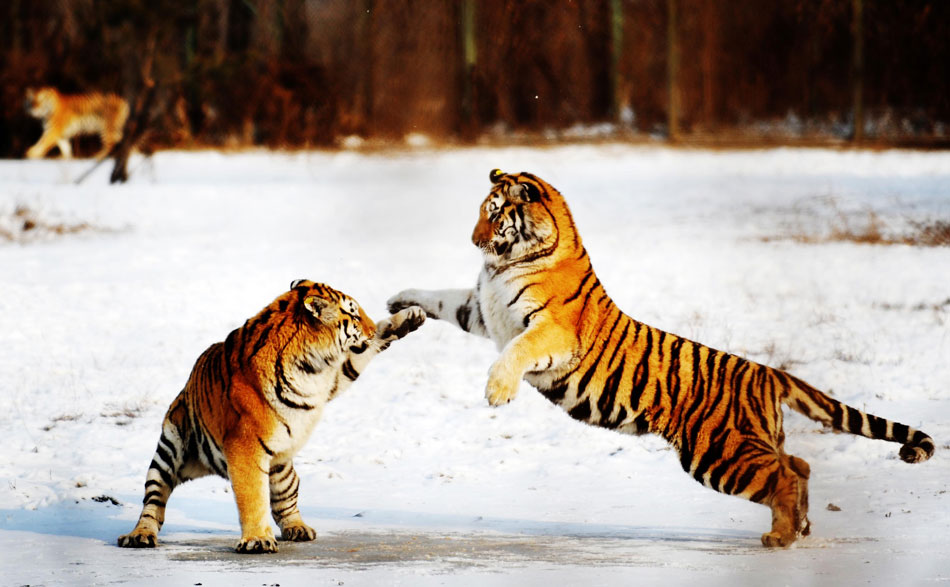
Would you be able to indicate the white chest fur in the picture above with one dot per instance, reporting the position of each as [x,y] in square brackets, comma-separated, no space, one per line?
[300,406]
[502,321]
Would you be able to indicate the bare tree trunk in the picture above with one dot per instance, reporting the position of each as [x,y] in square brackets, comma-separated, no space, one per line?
[137,122]
[469,61]
[672,70]
[710,60]
[857,68]
[617,104]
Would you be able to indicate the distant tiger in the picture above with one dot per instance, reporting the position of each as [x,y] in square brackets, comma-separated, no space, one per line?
[252,401]
[538,298]
[66,116]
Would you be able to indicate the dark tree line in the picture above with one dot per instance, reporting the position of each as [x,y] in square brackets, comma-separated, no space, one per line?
[296,73]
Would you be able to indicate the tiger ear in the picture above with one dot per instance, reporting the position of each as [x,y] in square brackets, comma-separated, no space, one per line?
[496,175]
[321,309]
[525,192]
[295,283]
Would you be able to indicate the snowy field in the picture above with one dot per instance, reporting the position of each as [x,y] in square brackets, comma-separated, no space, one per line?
[109,293]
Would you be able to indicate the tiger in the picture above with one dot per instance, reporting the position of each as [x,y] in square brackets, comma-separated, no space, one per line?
[65,116]
[538,299]
[252,401]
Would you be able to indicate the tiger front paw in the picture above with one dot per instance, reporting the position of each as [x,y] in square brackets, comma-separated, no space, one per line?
[138,539]
[400,324]
[257,545]
[500,391]
[298,533]
[402,300]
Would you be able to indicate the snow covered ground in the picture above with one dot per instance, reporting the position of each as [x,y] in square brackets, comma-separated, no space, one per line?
[109,293]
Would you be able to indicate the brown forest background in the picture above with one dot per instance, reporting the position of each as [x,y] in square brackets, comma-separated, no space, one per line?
[305,73]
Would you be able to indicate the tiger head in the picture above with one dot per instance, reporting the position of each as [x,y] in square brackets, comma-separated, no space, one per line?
[330,318]
[522,217]
[42,102]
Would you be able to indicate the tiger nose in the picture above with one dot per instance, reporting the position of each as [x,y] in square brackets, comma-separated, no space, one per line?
[482,234]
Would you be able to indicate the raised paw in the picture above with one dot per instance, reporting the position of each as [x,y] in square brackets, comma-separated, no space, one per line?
[400,324]
[257,545]
[138,539]
[401,301]
[298,533]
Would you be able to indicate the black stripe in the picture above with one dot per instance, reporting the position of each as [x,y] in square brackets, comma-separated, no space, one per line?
[166,477]
[766,490]
[921,439]
[855,420]
[641,375]
[306,366]
[614,423]
[279,391]
[164,441]
[520,291]
[462,316]
[163,454]
[709,458]
[191,450]
[522,228]
[289,493]
[589,374]
[555,394]
[609,394]
[261,340]
[581,411]
[878,427]
[266,448]
[620,341]
[580,287]
[478,314]
[527,318]
[739,483]
[590,292]
[641,424]
[349,371]
[900,432]
[673,372]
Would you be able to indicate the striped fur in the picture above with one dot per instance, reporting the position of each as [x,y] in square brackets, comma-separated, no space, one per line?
[539,299]
[252,401]
[65,116]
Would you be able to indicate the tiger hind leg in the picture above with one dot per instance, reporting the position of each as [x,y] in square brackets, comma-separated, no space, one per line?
[788,499]
[160,481]
[284,486]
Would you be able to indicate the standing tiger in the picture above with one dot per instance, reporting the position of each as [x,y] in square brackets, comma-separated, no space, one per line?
[538,299]
[252,401]
[65,116]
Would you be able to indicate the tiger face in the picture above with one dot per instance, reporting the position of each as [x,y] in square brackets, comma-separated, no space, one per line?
[332,313]
[516,218]
[41,103]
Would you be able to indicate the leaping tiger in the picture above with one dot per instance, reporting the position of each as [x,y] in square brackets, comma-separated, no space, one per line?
[538,298]
[252,401]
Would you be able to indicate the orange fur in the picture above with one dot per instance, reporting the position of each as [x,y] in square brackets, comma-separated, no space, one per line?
[539,299]
[251,403]
[66,116]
